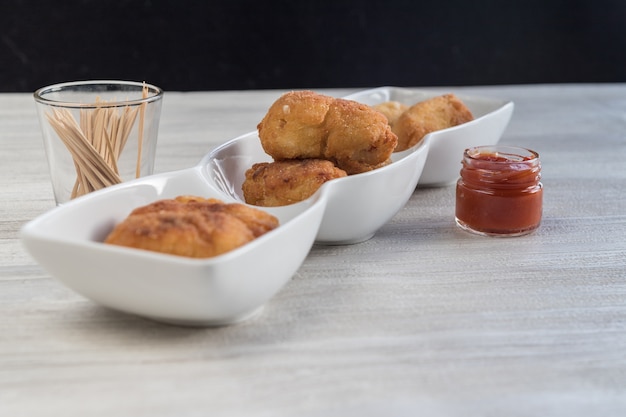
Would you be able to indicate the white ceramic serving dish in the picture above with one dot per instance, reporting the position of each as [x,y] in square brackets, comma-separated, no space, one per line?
[356,206]
[491,117]
[67,242]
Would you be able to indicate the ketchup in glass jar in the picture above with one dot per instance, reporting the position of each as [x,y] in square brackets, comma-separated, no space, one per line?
[499,192]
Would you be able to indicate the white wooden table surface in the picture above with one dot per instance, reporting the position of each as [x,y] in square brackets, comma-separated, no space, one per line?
[423,319]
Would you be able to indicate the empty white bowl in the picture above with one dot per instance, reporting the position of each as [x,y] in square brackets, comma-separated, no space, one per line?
[491,117]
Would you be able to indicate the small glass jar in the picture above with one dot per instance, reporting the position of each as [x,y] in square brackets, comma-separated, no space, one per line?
[499,192]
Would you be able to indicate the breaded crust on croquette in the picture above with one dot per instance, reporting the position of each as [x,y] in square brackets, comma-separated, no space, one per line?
[391,110]
[191,227]
[293,127]
[286,182]
[307,125]
[359,138]
[428,116]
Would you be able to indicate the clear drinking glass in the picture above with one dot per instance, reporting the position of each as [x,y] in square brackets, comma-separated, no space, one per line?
[98,133]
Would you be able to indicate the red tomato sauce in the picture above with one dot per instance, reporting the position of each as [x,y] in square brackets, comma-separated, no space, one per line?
[499,191]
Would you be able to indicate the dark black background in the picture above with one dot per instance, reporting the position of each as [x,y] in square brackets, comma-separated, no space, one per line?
[245,44]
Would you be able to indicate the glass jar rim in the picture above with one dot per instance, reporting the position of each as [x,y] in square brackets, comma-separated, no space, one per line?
[512,154]
[39,94]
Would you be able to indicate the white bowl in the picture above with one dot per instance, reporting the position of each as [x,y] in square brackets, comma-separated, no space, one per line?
[67,242]
[491,117]
[357,205]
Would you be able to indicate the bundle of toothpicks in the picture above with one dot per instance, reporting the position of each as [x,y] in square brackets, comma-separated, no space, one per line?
[97,141]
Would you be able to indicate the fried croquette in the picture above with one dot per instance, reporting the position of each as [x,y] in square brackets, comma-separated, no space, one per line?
[286,182]
[191,227]
[307,125]
[293,127]
[428,116]
[259,222]
[359,138]
[391,110]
